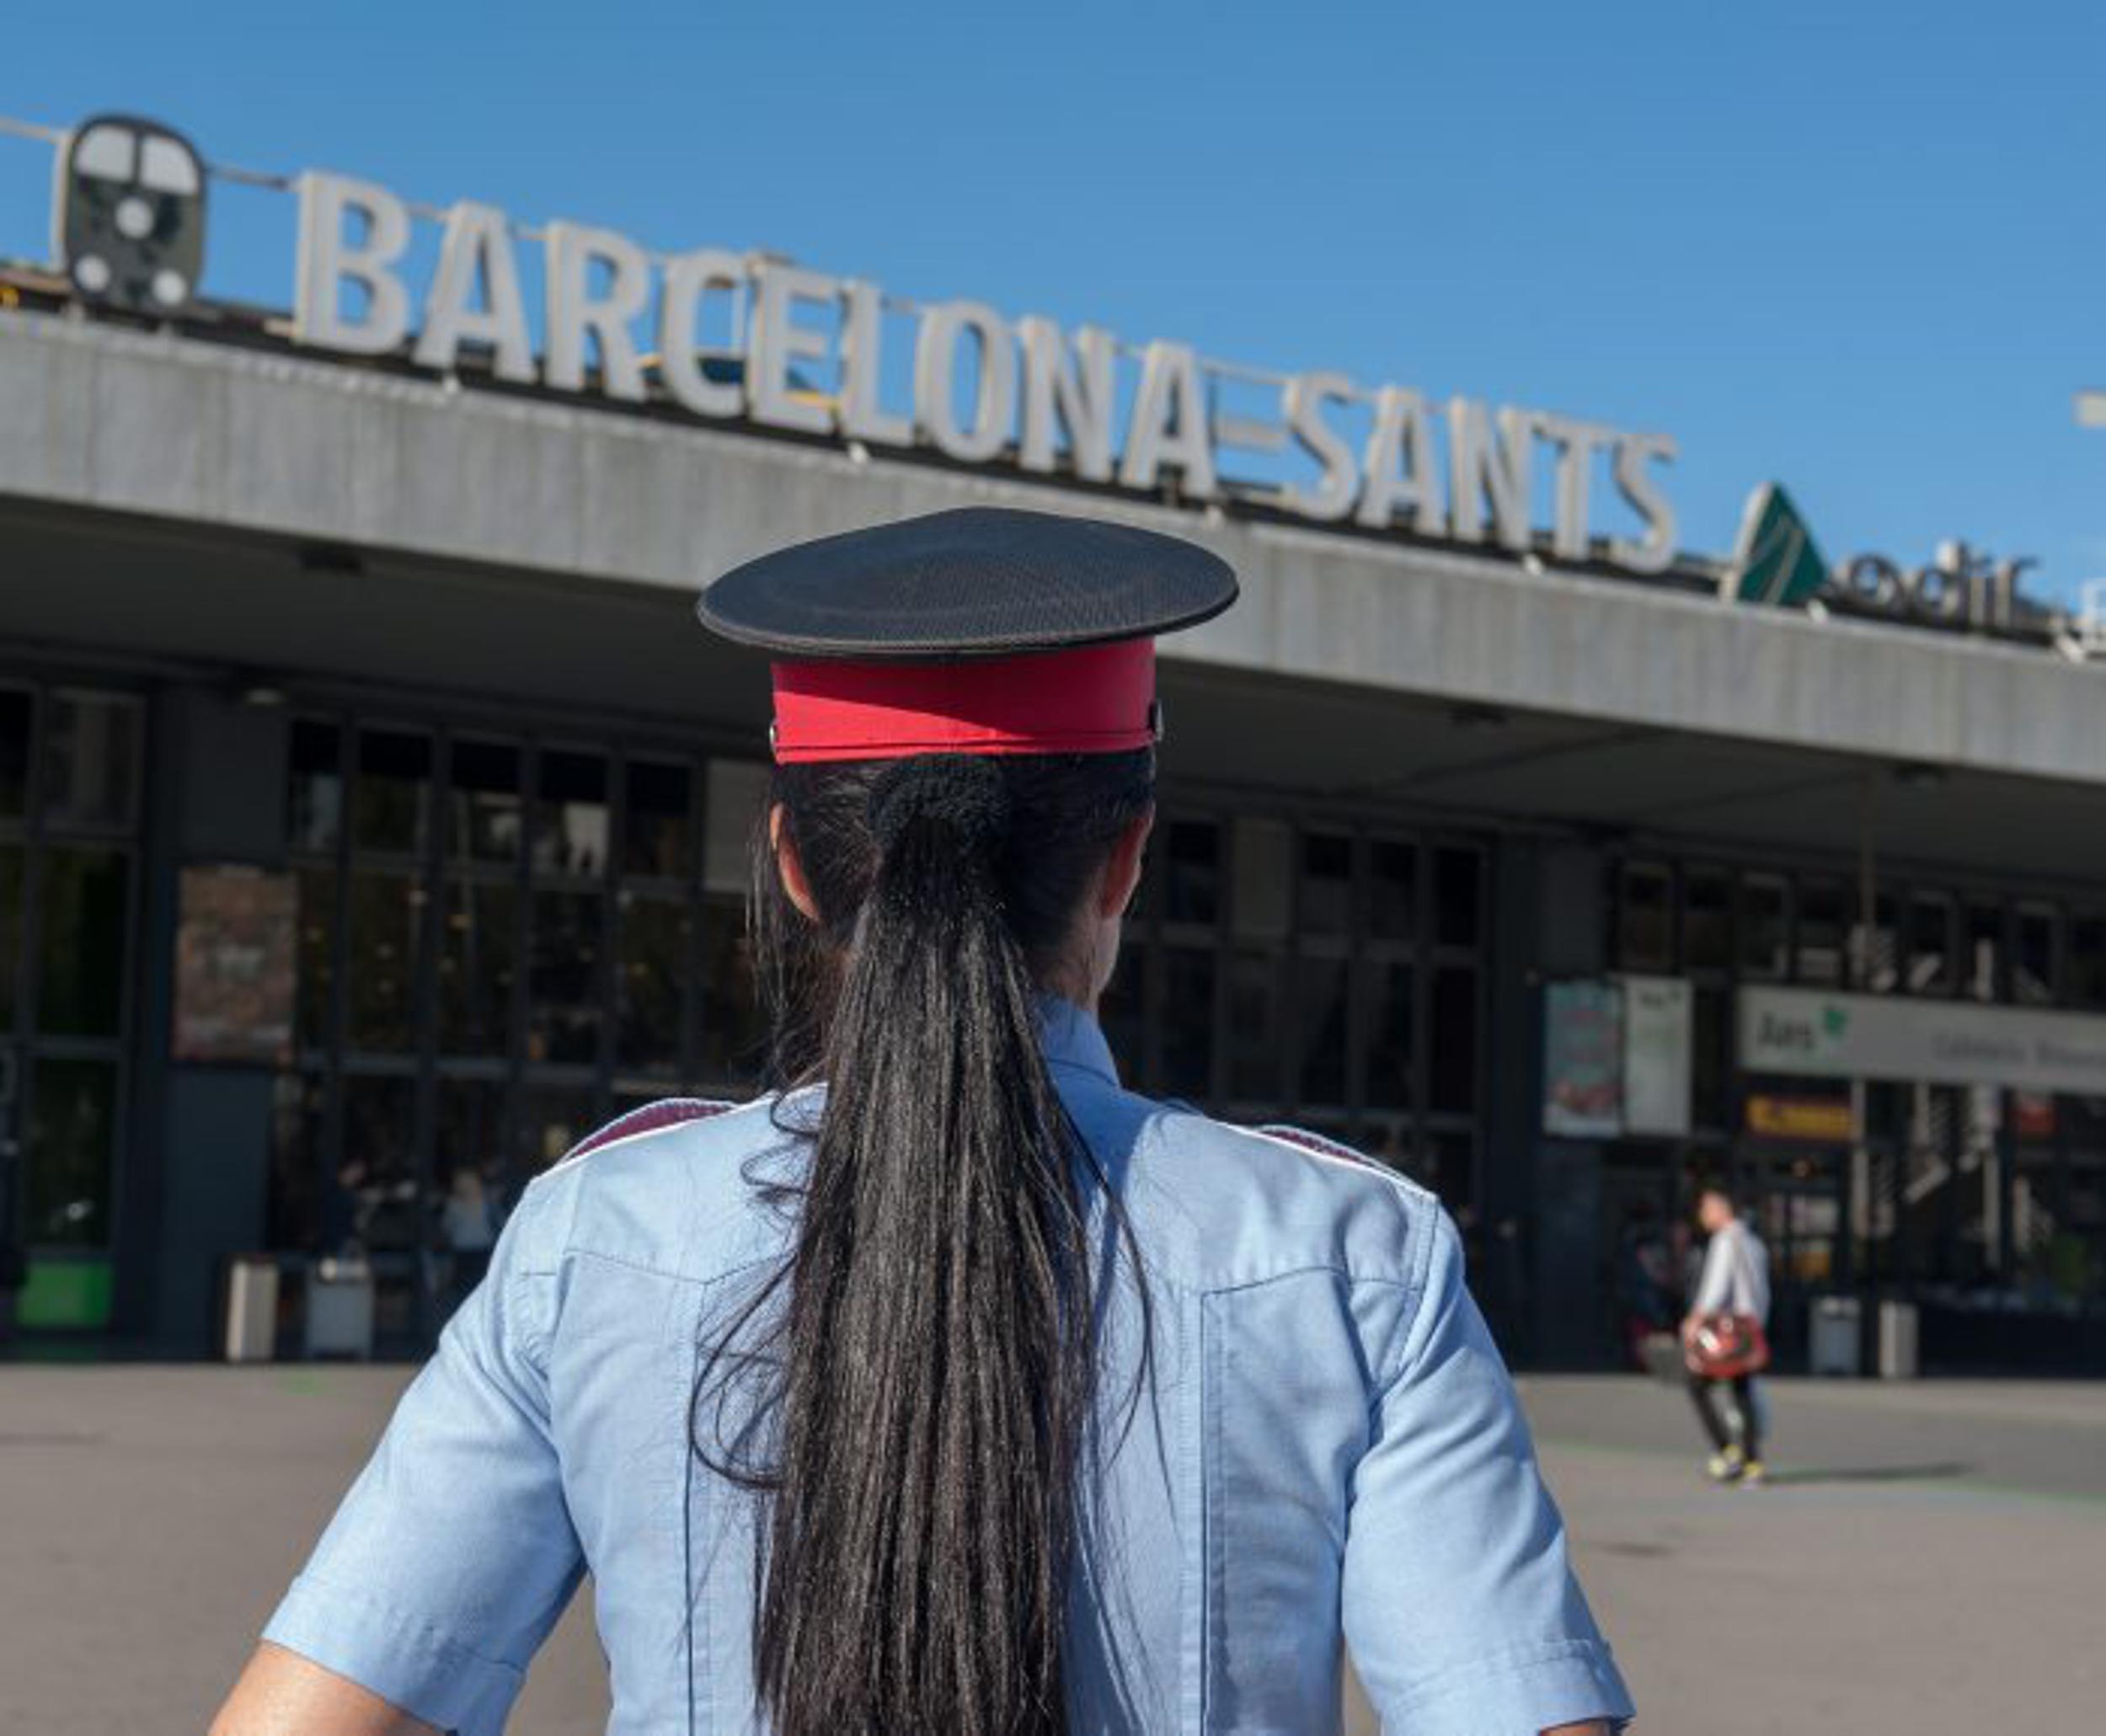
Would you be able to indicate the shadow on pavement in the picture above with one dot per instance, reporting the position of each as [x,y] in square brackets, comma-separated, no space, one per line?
[1874,1473]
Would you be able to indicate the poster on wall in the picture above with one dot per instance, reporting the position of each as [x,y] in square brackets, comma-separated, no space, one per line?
[1583,1059]
[235,945]
[1657,1016]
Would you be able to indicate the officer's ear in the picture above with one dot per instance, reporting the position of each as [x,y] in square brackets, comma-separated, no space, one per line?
[795,887]
[1123,866]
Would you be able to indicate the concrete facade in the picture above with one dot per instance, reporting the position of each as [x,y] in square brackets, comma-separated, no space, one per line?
[211,435]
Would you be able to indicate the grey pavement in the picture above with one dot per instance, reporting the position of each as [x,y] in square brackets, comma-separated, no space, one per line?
[1932,1560]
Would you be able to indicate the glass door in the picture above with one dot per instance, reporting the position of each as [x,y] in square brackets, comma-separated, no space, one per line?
[70,761]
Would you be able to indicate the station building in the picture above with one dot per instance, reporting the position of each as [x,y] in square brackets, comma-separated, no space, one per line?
[374,821]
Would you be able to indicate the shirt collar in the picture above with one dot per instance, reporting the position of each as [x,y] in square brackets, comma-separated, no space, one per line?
[1072,1040]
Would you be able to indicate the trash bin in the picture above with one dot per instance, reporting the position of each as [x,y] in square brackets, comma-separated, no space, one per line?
[249,1333]
[1897,1341]
[1834,1349]
[340,1309]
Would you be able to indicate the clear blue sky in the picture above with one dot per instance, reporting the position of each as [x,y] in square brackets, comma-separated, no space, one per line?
[1858,247]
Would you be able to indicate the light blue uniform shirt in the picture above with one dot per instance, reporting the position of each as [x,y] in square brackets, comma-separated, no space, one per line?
[1325,1442]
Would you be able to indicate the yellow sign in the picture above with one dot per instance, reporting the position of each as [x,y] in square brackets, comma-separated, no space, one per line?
[1801,1118]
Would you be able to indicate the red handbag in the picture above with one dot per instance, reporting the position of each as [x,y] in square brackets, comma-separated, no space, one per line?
[1726,1346]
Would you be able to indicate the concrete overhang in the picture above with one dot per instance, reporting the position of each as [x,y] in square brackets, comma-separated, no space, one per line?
[215,437]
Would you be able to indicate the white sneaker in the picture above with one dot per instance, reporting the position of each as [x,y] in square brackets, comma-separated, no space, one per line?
[1726,1466]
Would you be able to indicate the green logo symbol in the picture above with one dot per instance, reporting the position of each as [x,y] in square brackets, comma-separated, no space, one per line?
[1775,561]
[1834,1020]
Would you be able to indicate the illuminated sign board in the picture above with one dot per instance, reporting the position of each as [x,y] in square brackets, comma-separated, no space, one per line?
[1808,1033]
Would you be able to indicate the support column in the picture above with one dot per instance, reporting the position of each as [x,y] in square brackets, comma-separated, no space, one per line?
[198,1151]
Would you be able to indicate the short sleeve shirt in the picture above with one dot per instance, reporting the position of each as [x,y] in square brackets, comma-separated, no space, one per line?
[1305,1433]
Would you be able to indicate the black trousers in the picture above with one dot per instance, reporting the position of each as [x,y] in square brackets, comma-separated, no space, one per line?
[1705,1392]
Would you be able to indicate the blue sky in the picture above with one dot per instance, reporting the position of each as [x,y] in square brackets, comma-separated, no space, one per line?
[1857,247]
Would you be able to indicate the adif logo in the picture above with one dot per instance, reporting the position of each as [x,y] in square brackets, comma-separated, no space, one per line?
[1776,560]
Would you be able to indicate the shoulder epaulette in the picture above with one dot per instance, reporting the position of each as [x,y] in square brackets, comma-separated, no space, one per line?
[647,1118]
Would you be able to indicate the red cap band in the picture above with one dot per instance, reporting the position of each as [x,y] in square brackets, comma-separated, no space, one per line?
[1099,699]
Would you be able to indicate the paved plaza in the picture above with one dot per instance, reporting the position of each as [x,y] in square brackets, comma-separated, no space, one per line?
[1931,1559]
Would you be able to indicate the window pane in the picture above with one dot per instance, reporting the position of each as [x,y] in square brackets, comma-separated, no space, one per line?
[1122,1015]
[314,819]
[563,978]
[1765,925]
[381,954]
[732,1038]
[1820,931]
[736,792]
[552,1119]
[2086,959]
[1710,1062]
[1459,893]
[654,968]
[483,804]
[1449,1166]
[1876,952]
[467,1165]
[318,956]
[81,986]
[10,933]
[570,827]
[1454,1042]
[394,791]
[470,1131]
[2033,974]
[1264,878]
[1326,884]
[90,761]
[1983,966]
[654,831]
[1254,1025]
[73,1125]
[1391,1026]
[1707,920]
[376,1186]
[1188,1023]
[16,709]
[1645,933]
[298,1104]
[1192,872]
[1392,889]
[1320,1029]
[478,963]
[1931,922]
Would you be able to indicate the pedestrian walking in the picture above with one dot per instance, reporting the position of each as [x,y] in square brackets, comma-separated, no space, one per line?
[1725,1336]
[951,1387]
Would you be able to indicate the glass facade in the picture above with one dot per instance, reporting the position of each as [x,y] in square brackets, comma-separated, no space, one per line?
[505,940]
[1970,1200]
[70,776]
[1330,975]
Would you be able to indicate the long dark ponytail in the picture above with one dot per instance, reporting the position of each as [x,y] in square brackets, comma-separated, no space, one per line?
[927,1378]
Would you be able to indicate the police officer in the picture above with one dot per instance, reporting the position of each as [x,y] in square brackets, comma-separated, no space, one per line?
[951,1387]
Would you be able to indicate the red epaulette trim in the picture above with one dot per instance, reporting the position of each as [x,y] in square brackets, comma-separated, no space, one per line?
[649,1117]
[1322,1146]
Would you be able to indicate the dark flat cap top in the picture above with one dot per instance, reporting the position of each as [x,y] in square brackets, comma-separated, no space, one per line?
[980,581]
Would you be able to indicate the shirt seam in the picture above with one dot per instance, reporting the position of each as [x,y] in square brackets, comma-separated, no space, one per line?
[1459,1677]
[439,1639]
[647,1271]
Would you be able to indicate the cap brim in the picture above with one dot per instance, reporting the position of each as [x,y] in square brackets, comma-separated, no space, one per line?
[973,582]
